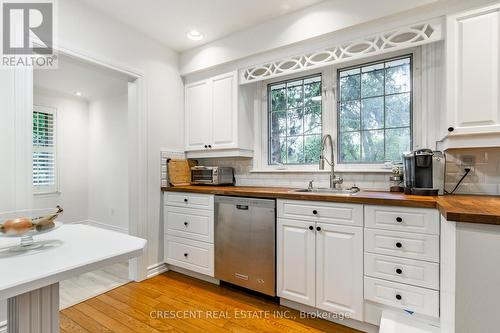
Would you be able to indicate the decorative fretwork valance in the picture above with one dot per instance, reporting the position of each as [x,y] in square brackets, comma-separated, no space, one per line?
[394,40]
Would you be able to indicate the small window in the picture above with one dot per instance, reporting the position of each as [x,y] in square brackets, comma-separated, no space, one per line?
[375,111]
[44,150]
[294,118]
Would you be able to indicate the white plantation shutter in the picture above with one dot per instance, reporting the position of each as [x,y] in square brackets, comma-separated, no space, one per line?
[44,150]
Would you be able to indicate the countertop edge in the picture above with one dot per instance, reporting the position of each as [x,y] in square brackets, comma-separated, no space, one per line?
[379,198]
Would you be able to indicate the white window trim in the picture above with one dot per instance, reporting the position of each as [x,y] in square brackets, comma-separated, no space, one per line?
[54,189]
[329,117]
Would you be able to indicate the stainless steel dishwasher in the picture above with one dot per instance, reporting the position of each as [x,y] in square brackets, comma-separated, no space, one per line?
[245,243]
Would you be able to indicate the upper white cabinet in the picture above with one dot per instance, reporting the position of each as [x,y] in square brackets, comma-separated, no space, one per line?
[218,121]
[198,131]
[472,57]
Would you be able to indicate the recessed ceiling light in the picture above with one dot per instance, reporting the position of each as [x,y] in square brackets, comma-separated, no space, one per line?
[195,35]
[78,93]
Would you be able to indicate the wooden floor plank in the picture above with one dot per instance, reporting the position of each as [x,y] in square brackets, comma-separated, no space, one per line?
[172,302]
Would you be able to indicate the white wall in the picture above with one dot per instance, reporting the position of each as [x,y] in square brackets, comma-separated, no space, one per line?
[72,124]
[325,24]
[108,163]
[83,30]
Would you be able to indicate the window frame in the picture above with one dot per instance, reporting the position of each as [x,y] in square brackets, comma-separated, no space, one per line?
[337,102]
[269,111]
[46,189]
[329,116]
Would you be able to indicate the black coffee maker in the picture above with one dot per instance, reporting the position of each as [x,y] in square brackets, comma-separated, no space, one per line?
[424,172]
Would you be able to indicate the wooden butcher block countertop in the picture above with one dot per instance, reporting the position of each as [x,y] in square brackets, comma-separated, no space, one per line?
[459,208]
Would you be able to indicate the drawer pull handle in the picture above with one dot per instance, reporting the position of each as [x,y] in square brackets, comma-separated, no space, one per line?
[186,224]
[185,200]
[398,297]
[318,228]
[399,219]
[311,227]
[315,212]
[399,271]
[186,255]
[399,245]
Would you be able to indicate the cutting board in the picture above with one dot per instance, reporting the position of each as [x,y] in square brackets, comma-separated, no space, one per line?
[179,172]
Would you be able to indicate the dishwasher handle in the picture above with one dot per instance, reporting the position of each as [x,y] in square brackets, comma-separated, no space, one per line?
[242,207]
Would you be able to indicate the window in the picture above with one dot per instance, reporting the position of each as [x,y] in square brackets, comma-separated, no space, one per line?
[374,111]
[44,151]
[294,121]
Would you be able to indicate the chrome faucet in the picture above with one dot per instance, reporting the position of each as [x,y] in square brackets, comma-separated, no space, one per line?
[335,181]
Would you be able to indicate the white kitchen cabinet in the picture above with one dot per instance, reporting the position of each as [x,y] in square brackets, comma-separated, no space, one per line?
[197,108]
[224,111]
[320,263]
[339,269]
[473,77]
[296,246]
[218,118]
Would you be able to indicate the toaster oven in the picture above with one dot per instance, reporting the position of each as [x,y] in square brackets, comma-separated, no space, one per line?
[203,175]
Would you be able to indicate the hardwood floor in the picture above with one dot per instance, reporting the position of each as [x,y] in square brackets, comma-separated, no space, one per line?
[176,303]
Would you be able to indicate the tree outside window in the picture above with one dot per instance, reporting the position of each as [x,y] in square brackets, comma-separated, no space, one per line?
[295,121]
[374,111]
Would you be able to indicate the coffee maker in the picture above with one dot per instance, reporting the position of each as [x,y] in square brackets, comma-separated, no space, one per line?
[424,171]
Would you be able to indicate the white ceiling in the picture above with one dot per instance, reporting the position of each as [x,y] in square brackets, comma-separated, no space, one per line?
[72,75]
[168,21]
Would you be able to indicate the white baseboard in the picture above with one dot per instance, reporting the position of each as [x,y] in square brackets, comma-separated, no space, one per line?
[156,269]
[105,226]
[3,326]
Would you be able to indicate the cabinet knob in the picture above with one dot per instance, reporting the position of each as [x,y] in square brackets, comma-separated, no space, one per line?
[318,228]
[185,255]
[206,146]
[209,146]
[315,212]
[399,271]
[311,227]
[399,219]
[186,224]
[451,129]
[399,245]
[398,297]
[185,200]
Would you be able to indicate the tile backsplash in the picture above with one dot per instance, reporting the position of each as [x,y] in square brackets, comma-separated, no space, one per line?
[244,176]
[484,177]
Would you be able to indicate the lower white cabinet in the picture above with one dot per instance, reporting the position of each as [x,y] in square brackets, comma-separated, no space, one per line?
[189,254]
[296,247]
[321,265]
[189,231]
[339,269]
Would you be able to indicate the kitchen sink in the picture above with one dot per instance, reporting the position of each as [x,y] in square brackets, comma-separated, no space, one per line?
[333,191]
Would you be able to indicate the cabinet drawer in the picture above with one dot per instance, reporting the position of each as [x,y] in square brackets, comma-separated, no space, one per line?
[191,223]
[415,272]
[189,254]
[421,220]
[402,296]
[402,244]
[189,200]
[325,212]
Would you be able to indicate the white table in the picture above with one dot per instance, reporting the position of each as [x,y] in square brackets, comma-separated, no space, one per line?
[30,280]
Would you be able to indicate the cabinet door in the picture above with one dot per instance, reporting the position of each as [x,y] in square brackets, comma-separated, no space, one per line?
[473,77]
[339,269]
[225,110]
[198,115]
[296,261]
